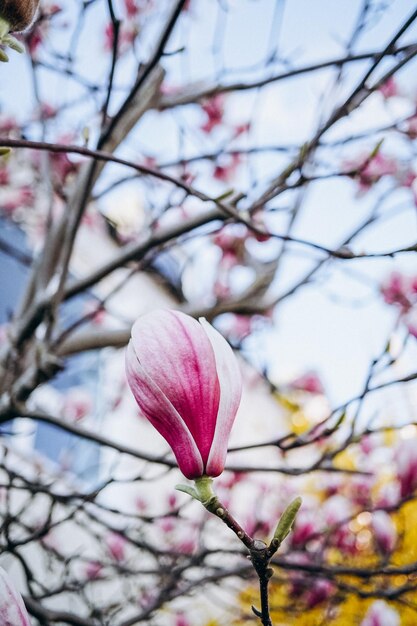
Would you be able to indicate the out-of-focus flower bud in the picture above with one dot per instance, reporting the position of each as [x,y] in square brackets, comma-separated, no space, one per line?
[187,383]
[406,461]
[384,531]
[12,608]
[116,545]
[380,614]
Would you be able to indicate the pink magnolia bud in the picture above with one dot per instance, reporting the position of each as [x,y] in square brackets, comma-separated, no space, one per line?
[187,383]
[12,608]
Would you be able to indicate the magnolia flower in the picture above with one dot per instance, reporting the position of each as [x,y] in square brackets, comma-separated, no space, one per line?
[18,14]
[12,608]
[187,383]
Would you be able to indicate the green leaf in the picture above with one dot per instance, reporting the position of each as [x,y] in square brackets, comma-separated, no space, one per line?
[189,490]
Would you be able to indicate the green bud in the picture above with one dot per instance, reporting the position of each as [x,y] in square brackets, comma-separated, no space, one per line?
[189,490]
[286,521]
[10,41]
[376,149]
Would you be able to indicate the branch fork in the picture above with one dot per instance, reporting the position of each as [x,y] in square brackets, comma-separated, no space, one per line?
[260,554]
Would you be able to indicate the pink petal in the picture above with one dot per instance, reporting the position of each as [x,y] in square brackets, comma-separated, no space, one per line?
[175,352]
[230,394]
[163,416]
[12,609]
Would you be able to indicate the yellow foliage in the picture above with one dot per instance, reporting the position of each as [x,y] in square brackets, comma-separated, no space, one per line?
[345,607]
[345,460]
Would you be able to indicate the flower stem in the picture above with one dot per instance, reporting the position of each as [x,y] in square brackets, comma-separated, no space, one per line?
[204,488]
[259,553]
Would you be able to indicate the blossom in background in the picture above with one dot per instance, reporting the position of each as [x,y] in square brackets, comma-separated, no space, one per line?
[181,620]
[368,169]
[306,528]
[214,110]
[8,125]
[93,570]
[309,382]
[384,531]
[77,404]
[381,614]
[396,290]
[227,168]
[116,546]
[127,34]
[187,383]
[406,461]
[319,591]
[12,608]
[389,89]
[401,291]
[411,127]
[39,33]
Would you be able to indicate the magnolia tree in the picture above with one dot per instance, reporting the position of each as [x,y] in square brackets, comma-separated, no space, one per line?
[249,164]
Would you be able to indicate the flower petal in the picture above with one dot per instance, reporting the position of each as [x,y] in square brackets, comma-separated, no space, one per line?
[163,416]
[176,353]
[230,394]
[12,609]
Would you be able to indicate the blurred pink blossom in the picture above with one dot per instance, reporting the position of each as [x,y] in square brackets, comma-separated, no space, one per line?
[319,591]
[181,620]
[128,32]
[226,169]
[406,461]
[381,614]
[305,529]
[8,124]
[411,127]
[389,89]
[77,404]
[12,609]
[93,570]
[369,169]
[116,545]
[396,291]
[384,531]
[214,109]
[309,382]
